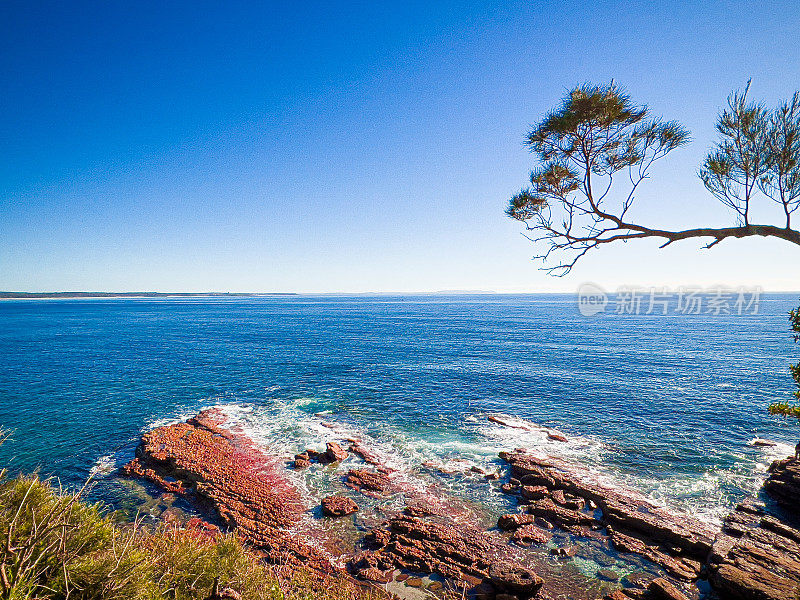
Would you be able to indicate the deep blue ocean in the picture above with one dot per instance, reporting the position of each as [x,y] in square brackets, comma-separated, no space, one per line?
[664,403]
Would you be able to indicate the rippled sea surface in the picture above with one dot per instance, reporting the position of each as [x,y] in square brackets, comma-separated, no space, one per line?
[666,404]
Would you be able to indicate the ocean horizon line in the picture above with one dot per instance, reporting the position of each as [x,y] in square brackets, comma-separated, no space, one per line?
[20,295]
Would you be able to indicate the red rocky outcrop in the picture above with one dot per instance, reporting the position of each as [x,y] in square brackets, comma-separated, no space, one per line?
[333,453]
[783,483]
[662,589]
[530,534]
[553,491]
[371,483]
[514,521]
[250,491]
[369,457]
[246,488]
[425,543]
[338,506]
[757,554]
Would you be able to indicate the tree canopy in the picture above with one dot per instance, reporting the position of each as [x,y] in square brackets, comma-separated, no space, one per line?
[597,147]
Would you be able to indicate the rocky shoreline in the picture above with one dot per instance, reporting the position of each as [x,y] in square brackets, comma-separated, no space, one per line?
[550,492]
[214,468]
[755,556]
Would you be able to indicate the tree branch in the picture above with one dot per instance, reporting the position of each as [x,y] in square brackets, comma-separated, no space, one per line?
[598,132]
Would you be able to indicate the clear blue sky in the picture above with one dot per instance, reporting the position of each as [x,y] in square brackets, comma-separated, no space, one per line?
[350,147]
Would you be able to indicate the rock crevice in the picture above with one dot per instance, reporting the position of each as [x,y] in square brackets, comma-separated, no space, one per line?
[421,542]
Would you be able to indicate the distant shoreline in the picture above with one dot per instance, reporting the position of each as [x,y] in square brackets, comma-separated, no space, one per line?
[37,295]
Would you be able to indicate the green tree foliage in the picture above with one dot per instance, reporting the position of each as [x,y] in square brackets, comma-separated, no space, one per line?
[785,408]
[597,147]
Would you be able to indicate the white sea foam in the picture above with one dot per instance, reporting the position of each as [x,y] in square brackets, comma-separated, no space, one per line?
[776,452]
[177,417]
[535,438]
[104,466]
[417,461]
[419,467]
[706,495]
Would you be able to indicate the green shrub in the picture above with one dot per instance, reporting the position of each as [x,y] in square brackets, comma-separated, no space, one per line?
[53,546]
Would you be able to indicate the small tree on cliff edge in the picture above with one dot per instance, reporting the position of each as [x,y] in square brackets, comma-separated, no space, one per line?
[597,147]
[784,408]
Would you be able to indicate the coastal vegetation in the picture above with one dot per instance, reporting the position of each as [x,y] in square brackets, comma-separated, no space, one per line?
[56,546]
[785,408]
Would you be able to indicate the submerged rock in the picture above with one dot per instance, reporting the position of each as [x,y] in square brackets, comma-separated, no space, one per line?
[638,580]
[366,455]
[762,443]
[684,568]
[506,422]
[607,575]
[368,482]
[338,506]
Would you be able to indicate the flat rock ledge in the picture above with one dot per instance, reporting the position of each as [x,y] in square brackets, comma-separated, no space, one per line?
[201,460]
[551,493]
[757,554]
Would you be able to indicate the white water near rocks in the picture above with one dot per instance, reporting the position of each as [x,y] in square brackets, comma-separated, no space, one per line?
[287,428]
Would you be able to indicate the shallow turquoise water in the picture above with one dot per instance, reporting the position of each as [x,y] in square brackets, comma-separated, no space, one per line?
[664,403]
